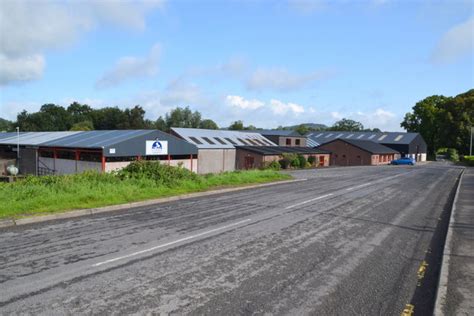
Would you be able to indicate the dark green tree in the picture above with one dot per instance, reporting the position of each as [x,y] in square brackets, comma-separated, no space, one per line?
[237,126]
[82,126]
[208,124]
[347,125]
[5,125]
[302,129]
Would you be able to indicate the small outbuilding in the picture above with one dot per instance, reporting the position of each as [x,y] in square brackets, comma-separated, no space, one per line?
[217,148]
[250,157]
[286,138]
[351,152]
[72,152]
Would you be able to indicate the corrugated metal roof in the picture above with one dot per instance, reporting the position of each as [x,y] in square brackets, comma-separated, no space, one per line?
[318,138]
[33,138]
[96,139]
[367,145]
[278,150]
[276,132]
[221,139]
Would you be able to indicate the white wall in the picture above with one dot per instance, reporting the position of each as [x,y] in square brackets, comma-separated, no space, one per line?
[216,160]
[116,165]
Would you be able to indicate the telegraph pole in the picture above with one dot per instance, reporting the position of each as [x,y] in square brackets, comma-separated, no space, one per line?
[470,145]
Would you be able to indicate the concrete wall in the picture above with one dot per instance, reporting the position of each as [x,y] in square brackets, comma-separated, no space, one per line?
[186,163]
[116,165]
[282,141]
[216,160]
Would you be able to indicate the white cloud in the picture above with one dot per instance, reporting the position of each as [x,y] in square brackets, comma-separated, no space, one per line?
[131,67]
[240,102]
[20,69]
[29,28]
[281,79]
[280,108]
[456,43]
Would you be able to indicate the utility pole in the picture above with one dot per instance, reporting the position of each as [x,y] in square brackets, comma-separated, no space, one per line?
[470,145]
[18,147]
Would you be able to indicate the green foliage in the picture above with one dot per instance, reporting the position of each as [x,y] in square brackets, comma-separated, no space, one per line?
[347,125]
[302,129]
[443,121]
[469,160]
[208,124]
[311,160]
[274,165]
[82,126]
[141,180]
[284,163]
[5,125]
[302,161]
[237,126]
[453,154]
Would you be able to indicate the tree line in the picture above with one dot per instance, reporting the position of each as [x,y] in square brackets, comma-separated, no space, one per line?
[444,122]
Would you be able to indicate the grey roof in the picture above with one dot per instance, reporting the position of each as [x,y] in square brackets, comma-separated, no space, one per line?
[278,150]
[277,132]
[318,138]
[221,139]
[112,142]
[33,138]
[367,145]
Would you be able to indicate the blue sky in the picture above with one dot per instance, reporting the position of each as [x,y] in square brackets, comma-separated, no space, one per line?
[267,63]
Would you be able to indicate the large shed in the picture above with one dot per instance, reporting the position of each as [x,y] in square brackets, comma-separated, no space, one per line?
[354,152]
[72,152]
[407,144]
[217,148]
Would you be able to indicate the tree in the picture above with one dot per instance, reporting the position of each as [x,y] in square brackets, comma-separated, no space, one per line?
[347,125]
[136,117]
[425,120]
[110,118]
[50,117]
[80,112]
[208,124]
[302,129]
[237,126]
[82,126]
[5,125]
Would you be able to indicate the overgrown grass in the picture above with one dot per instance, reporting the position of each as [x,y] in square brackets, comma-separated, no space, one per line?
[139,181]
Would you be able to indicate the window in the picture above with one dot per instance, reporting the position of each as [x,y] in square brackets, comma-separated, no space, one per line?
[329,135]
[349,136]
[319,135]
[260,142]
[398,138]
[288,142]
[298,142]
[372,136]
[340,135]
[251,142]
[66,154]
[230,141]
[208,140]
[266,142]
[220,140]
[195,140]
[360,136]
[90,156]
[46,153]
[382,137]
[242,141]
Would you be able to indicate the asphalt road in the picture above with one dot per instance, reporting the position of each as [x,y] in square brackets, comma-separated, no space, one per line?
[346,241]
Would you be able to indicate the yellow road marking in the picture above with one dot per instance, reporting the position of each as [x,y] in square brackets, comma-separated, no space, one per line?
[421,271]
[409,310]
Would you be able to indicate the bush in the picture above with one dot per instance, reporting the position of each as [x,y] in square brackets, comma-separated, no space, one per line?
[295,163]
[469,160]
[284,163]
[311,160]
[274,165]
[453,154]
[302,161]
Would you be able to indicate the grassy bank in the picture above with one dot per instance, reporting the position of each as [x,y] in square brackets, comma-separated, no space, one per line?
[139,181]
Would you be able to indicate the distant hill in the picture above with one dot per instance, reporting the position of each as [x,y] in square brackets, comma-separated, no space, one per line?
[312,126]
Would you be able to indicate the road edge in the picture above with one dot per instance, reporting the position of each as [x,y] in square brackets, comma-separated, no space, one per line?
[103,209]
[442,289]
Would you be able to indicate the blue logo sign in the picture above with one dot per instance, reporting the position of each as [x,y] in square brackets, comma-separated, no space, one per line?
[156,145]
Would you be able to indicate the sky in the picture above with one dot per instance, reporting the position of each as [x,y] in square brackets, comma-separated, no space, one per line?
[268,63]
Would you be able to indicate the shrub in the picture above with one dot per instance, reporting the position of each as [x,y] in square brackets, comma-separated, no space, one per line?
[302,161]
[157,172]
[274,165]
[453,154]
[469,160]
[284,163]
[311,160]
[308,165]
[295,163]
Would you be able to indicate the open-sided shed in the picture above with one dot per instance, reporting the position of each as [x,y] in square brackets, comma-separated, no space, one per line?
[72,152]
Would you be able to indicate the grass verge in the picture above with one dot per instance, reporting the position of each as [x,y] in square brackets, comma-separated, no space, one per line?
[140,181]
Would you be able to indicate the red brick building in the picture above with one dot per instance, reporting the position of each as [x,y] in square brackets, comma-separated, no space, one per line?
[346,152]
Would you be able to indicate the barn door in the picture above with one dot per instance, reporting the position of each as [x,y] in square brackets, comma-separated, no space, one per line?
[249,161]
[321,161]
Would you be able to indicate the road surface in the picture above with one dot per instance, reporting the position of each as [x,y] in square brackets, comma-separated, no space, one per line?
[345,241]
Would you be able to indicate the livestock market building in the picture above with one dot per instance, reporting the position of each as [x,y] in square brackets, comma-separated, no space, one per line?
[77,151]
[354,152]
[283,137]
[406,144]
